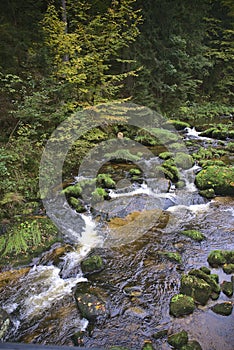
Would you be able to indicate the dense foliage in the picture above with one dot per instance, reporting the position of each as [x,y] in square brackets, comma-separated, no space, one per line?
[60,56]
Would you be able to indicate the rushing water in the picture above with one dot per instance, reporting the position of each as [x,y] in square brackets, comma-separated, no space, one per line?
[42,306]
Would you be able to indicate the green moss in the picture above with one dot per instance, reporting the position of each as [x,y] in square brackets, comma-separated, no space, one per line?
[99,195]
[224,309]
[173,172]
[105,180]
[216,258]
[210,279]
[178,124]
[227,288]
[74,190]
[77,204]
[194,234]
[123,155]
[181,304]
[196,288]
[92,264]
[228,268]
[165,155]
[209,193]
[178,340]
[220,179]
[173,256]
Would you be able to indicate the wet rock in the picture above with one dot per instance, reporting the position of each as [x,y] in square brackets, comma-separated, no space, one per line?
[118,348]
[227,288]
[91,302]
[211,279]
[194,234]
[205,269]
[5,323]
[177,340]
[12,276]
[77,338]
[192,345]
[136,311]
[77,204]
[216,258]
[228,268]
[224,309]
[217,177]
[209,193]
[172,256]
[196,288]
[92,264]
[181,304]
[133,291]
[160,334]
[220,257]
[54,255]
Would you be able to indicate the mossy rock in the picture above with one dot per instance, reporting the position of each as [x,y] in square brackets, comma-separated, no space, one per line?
[166,155]
[209,193]
[99,195]
[192,345]
[210,279]
[194,234]
[105,180]
[172,256]
[224,309]
[77,204]
[227,288]
[228,268]
[177,340]
[210,162]
[196,288]
[183,160]
[180,184]
[220,179]
[218,258]
[73,190]
[178,124]
[92,264]
[160,334]
[181,305]
[205,269]
[165,136]
[170,166]
[135,172]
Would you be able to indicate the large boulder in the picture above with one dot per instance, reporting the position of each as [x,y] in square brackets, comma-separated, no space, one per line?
[224,309]
[220,179]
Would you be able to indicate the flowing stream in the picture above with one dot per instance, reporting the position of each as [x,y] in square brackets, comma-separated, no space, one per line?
[42,306]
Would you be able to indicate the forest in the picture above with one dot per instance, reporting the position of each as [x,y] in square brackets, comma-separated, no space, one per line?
[63,58]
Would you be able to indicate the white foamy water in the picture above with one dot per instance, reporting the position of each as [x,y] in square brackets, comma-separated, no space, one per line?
[192,132]
[44,285]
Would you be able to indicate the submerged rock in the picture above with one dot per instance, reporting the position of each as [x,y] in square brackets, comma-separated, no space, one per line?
[177,340]
[224,309]
[181,304]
